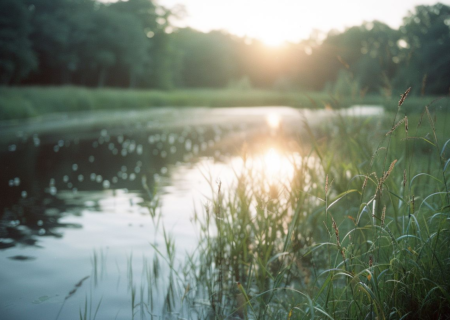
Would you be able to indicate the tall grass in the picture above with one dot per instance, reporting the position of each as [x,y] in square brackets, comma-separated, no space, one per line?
[361,231]
[26,102]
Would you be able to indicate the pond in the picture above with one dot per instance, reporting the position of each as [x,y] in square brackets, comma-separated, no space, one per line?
[89,202]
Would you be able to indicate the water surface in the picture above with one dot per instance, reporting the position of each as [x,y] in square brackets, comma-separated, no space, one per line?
[88,199]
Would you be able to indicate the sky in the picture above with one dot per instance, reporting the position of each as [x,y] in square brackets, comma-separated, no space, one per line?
[276,21]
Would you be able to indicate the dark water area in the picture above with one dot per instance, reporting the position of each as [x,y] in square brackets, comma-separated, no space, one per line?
[87,201]
[38,168]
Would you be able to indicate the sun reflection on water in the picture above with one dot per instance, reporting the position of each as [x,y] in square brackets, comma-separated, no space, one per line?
[276,166]
[273,120]
[269,167]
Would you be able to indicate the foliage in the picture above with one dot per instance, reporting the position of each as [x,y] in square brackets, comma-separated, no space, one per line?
[133,44]
[16,56]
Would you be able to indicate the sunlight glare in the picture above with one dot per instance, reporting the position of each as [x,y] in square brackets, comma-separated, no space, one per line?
[276,167]
[273,120]
[272,162]
[272,39]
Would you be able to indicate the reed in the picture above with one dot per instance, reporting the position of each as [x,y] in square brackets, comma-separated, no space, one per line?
[389,257]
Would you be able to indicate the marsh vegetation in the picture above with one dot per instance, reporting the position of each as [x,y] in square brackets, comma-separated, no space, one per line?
[253,213]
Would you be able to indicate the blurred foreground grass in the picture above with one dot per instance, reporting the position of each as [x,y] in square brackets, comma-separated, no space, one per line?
[26,102]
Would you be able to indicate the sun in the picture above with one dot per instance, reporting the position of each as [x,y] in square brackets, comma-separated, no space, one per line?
[272,40]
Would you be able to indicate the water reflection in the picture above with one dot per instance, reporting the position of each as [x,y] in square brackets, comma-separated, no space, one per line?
[94,201]
[35,175]
[273,120]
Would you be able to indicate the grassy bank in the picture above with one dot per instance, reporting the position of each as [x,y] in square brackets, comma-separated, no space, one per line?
[19,103]
[361,230]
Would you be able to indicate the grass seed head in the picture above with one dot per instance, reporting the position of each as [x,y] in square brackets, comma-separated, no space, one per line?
[336,231]
[365,182]
[403,96]
[391,167]
[395,126]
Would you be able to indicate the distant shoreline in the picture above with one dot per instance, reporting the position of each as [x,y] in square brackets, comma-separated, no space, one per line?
[30,102]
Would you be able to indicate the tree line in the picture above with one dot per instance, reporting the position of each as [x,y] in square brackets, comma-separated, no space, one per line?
[133,44]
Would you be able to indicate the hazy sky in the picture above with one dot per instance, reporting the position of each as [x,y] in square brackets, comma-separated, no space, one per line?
[275,21]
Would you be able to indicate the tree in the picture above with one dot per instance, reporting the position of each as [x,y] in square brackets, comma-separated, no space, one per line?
[16,56]
[425,49]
